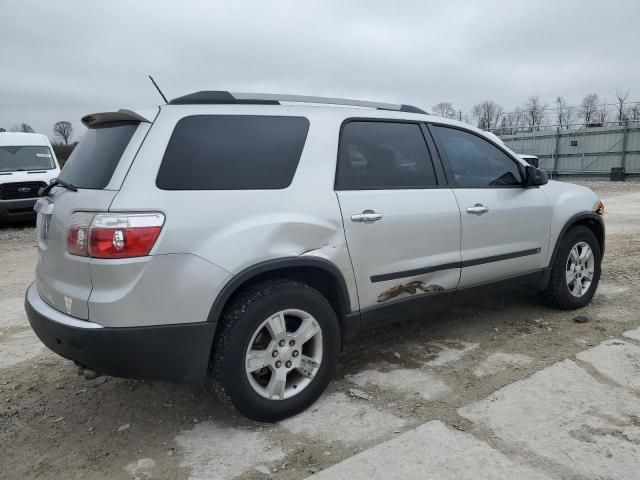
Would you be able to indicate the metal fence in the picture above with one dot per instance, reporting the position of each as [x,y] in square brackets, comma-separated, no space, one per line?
[584,150]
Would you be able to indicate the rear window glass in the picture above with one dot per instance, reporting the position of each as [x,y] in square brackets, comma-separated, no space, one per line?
[21,158]
[93,161]
[233,152]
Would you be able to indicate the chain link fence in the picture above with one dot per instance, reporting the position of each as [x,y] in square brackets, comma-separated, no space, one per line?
[591,150]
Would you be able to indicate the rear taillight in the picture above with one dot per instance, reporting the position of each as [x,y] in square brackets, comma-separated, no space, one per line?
[78,235]
[114,235]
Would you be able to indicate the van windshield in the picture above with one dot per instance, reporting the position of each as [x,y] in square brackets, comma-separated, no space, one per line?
[20,158]
[93,161]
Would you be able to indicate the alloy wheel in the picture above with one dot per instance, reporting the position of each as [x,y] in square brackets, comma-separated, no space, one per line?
[580,269]
[284,354]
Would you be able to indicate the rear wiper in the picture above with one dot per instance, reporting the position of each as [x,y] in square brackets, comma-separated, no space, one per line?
[56,182]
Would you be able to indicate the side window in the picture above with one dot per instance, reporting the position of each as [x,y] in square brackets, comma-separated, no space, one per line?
[232,152]
[383,155]
[476,162]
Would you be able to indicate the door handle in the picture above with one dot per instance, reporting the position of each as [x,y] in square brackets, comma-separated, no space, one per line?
[368,216]
[477,209]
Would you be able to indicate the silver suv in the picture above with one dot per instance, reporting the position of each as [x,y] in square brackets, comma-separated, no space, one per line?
[240,238]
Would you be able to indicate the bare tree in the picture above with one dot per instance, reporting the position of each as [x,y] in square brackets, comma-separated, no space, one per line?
[589,107]
[444,109]
[565,113]
[487,114]
[633,112]
[2,129]
[63,130]
[534,111]
[510,122]
[23,127]
[621,100]
[602,113]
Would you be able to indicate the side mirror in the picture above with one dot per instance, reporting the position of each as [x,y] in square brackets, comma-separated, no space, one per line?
[536,177]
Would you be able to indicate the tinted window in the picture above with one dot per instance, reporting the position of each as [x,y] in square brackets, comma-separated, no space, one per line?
[240,152]
[20,158]
[375,155]
[476,162]
[94,160]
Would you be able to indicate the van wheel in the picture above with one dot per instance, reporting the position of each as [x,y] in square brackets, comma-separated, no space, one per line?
[576,270]
[276,351]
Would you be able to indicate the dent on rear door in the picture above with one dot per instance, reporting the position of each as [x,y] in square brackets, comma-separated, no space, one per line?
[414,249]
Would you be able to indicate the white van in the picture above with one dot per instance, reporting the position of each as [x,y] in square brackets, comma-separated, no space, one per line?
[27,163]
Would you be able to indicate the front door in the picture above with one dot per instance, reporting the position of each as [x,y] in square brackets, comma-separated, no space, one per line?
[505,225]
[402,225]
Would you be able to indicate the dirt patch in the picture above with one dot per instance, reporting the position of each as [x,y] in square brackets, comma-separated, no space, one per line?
[500,361]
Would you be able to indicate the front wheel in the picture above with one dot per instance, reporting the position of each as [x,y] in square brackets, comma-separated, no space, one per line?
[576,270]
[277,349]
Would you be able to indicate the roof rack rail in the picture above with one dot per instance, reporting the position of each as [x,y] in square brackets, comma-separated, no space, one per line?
[221,97]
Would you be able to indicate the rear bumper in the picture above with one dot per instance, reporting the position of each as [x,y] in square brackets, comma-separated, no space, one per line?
[176,353]
[17,209]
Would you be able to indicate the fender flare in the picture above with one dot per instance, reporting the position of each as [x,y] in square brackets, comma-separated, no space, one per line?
[593,216]
[277,264]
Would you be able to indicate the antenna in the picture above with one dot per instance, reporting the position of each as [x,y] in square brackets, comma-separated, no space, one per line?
[158,88]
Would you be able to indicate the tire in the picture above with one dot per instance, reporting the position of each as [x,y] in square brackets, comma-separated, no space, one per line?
[559,291]
[250,320]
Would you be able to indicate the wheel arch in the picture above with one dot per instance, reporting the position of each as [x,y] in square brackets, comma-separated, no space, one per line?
[318,273]
[591,220]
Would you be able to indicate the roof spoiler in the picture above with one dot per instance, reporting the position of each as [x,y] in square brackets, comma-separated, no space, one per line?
[105,117]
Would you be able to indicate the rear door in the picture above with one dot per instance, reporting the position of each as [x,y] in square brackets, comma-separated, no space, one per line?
[505,225]
[402,224]
[96,167]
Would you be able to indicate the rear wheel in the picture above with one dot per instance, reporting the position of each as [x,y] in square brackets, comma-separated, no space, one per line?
[276,351]
[576,270]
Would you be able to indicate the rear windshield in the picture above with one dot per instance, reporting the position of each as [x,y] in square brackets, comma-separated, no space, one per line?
[96,157]
[233,152]
[21,158]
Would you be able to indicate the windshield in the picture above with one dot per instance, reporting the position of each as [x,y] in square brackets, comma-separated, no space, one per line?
[20,158]
[96,157]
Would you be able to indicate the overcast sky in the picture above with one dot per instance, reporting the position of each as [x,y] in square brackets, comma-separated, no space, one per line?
[60,60]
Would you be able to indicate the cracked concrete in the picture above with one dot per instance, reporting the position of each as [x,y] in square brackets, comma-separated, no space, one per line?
[547,414]
[213,452]
[432,450]
[338,418]
[633,334]
[617,360]
[496,362]
[413,381]
[448,354]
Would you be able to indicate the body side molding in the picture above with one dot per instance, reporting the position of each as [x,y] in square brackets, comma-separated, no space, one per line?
[467,263]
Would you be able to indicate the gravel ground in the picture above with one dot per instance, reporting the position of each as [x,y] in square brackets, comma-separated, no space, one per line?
[437,377]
